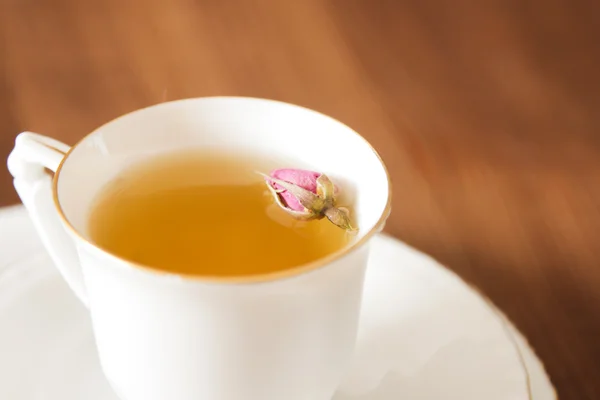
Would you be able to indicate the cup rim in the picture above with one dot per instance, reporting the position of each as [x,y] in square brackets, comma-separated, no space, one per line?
[234,279]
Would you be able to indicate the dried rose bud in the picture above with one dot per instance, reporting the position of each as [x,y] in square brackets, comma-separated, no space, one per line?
[307,195]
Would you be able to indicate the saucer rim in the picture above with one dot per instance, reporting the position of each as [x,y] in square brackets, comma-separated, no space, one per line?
[510,329]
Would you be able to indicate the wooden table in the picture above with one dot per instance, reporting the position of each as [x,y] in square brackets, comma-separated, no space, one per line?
[486,112]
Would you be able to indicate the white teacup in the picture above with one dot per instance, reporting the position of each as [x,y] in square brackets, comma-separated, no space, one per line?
[161,336]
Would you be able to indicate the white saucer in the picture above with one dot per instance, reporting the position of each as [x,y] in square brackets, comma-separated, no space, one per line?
[425,334]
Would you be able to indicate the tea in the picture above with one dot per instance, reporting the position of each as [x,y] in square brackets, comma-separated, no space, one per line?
[199,213]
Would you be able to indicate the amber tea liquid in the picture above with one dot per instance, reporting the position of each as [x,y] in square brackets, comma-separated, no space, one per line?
[195,213]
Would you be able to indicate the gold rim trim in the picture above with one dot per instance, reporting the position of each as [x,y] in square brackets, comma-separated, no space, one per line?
[506,326]
[55,149]
[510,330]
[288,273]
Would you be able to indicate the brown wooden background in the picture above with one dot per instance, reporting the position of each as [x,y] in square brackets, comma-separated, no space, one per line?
[486,112]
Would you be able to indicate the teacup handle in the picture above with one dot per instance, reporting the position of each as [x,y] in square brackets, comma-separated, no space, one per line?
[29,162]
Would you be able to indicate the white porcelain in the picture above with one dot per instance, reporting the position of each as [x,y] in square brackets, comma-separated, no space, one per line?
[161,336]
[540,386]
[425,334]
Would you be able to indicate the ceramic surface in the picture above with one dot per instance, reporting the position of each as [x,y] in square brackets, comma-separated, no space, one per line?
[424,334]
[165,336]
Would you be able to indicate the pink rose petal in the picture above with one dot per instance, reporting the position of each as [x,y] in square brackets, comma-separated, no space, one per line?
[305,179]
